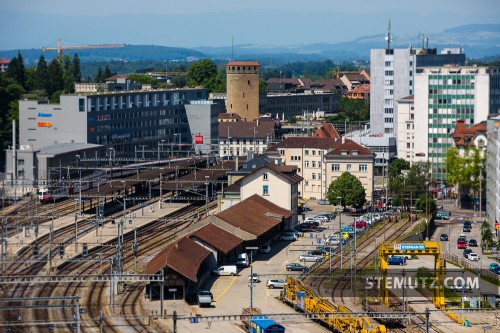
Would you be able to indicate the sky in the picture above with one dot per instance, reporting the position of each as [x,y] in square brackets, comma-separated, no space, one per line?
[194,23]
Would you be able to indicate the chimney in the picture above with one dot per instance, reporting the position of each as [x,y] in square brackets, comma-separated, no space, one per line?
[236,164]
[343,140]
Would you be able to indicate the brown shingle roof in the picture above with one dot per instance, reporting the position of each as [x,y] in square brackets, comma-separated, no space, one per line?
[462,133]
[219,238]
[254,215]
[245,129]
[305,142]
[184,256]
[229,116]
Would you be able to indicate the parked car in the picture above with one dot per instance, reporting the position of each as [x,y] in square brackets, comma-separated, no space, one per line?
[275,283]
[265,249]
[473,256]
[288,237]
[494,267]
[329,216]
[255,277]
[443,237]
[297,233]
[296,267]
[359,224]
[205,298]
[309,257]
[396,260]
[472,242]
[320,219]
[333,240]
[466,252]
[317,252]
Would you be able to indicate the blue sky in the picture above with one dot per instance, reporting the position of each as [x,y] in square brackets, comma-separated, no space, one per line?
[192,23]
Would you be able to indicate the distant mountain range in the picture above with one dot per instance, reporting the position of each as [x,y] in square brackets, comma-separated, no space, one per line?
[477,40]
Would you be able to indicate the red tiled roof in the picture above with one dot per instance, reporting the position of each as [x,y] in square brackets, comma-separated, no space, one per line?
[243,63]
[219,238]
[4,61]
[185,256]
[254,215]
[462,133]
[305,142]
[117,76]
[349,146]
[326,130]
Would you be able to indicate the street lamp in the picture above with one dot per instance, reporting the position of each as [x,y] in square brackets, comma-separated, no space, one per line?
[251,248]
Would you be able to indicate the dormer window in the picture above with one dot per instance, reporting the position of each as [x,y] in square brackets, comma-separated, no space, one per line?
[355,152]
[343,152]
[480,143]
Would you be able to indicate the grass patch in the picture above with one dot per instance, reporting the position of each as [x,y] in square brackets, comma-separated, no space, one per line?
[494,281]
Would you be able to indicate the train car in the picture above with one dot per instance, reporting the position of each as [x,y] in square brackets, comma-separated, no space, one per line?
[262,324]
[47,195]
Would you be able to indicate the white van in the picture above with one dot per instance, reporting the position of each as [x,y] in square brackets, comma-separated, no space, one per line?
[225,270]
[242,260]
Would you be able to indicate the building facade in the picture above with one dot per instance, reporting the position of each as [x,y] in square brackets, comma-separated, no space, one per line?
[392,75]
[243,89]
[406,129]
[285,106]
[493,171]
[444,95]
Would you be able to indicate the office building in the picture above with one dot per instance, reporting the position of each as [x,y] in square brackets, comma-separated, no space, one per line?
[492,180]
[443,95]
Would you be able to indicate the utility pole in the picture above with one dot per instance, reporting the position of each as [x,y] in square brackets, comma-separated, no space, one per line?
[206,195]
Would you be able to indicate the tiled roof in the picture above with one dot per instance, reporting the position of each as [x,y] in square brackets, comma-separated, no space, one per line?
[243,63]
[184,256]
[254,215]
[287,171]
[464,136]
[302,82]
[4,61]
[349,146]
[364,88]
[245,129]
[219,238]
[305,142]
[326,130]
[355,77]
[411,97]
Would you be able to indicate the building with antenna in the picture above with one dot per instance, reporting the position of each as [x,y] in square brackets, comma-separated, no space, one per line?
[392,74]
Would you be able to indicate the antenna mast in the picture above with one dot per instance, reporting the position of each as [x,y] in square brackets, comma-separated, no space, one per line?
[388,36]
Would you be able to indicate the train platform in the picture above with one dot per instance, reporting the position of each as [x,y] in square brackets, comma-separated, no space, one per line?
[96,235]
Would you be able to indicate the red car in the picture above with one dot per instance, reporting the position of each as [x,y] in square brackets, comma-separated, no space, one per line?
[359,224]
[461,244]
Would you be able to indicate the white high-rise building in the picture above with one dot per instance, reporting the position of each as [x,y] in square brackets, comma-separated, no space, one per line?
[392,74]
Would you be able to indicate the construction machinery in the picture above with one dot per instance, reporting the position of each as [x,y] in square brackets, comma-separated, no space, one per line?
[60,48]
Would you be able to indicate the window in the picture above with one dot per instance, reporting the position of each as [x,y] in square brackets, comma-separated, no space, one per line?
[306,164]
[314,152]
[314,164]
[313,176]
[306,152]
[335,167]
[265,176]
[81,104]
[349,167]
[265,190]
[408,145]
[20,162]
[363,168]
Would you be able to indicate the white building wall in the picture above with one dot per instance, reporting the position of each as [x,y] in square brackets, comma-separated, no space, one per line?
[406,134]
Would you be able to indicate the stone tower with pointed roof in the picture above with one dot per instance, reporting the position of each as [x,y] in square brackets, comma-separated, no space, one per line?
[243,89]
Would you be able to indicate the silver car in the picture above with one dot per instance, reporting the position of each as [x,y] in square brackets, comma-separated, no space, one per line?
[275,283]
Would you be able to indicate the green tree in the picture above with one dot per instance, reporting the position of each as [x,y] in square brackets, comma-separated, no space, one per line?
[16,69]
[426,204]
[396,166]
[41,76]
[10,94]
[107,73]
[349,188]
[99,76]
[144,79]
[68,78]
[77,74]
[55,77]
[204,73]
[465,171]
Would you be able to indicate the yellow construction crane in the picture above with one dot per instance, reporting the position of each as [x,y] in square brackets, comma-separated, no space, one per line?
[60,48]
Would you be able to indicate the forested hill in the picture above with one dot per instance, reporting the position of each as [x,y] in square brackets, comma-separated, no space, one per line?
[127,53]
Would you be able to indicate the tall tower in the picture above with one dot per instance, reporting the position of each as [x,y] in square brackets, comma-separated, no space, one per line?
[243,89]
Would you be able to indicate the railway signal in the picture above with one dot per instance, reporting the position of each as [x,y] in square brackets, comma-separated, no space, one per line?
[61,250]
[35,250]
[85,251]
